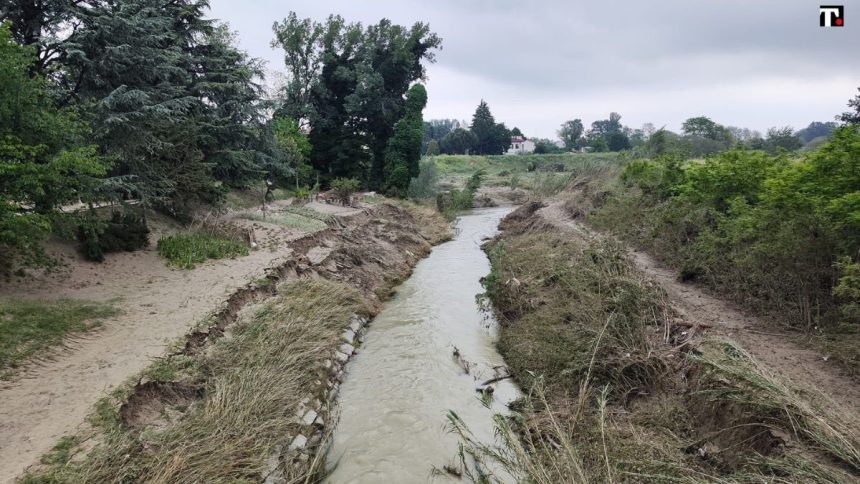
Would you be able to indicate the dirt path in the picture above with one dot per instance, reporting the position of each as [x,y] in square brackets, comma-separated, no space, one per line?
[51,398]
[805,369]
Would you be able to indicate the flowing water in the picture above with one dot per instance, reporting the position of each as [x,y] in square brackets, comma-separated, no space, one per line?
[400,386]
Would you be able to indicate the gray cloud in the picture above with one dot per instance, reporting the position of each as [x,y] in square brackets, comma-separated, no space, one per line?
[537,63]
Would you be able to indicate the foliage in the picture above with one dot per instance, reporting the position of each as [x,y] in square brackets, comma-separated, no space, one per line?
[815,130]
[344,188]
[781,139]
[426,184]
[43,161]
[171,97]
[436,129]
[852,117]
[123,232]
[545,146]
[454,201]
[490,138]
[30,328]
[348,81]
[571,134]
[432,148]
[608,135]
[764,229]
[185,250]
[607,399]
[458,142]
[404,146]
[294,149]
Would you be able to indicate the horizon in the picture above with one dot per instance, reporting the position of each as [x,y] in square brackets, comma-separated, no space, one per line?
[751,66]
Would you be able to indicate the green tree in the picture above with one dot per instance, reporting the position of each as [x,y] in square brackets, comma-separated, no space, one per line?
[44,26]
[348,82]
[571,134]
[293,149]
[432,148]
[701,126]
[546,146]
[781,139]
[852,116]
[436,129]
[43,160]
[816,129]
[516,132]
[171,98]
[404,148]
[458,142]
[135,62]
[490,138]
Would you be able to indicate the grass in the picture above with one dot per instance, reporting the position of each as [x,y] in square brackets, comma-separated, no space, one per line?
[298,218]
[611,398]
[252,386]
[30,328]
[186,250]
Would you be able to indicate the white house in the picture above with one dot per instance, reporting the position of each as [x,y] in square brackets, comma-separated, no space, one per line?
[520,146]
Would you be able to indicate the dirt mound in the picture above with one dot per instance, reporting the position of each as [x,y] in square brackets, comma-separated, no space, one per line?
[157,404]
[522,220]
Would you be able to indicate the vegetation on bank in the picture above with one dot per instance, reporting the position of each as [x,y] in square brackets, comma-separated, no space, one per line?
[186,250]
[617,393]
[29,329]
[237,401]
[181,117]
[779,234]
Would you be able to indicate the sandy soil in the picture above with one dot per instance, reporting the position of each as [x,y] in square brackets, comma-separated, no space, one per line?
[805,369]
[51,398]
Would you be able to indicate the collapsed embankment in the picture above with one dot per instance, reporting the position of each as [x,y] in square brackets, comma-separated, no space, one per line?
[623,388]
[245,397]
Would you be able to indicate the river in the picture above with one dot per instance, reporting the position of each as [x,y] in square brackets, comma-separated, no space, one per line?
[400,386]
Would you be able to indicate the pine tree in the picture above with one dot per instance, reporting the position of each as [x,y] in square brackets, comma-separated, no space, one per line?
[483,127]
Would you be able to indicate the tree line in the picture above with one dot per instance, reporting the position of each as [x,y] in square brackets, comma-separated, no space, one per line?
[699,136]
[151,101]
[484,136]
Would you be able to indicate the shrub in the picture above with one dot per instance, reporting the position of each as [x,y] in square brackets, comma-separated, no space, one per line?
[344,188]
[123,232]
[426,184]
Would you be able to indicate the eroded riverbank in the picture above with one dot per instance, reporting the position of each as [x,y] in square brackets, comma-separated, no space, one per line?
[394,401]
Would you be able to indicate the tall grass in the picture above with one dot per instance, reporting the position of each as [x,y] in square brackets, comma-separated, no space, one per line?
[613,399]
[253,384]
[186,250]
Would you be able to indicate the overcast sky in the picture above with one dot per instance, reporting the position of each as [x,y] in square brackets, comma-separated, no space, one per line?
[744,63]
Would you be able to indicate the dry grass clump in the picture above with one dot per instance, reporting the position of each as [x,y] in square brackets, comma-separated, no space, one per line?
[252,384]
[431,225]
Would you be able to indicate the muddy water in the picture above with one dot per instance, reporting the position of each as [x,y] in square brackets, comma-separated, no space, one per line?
[404,380]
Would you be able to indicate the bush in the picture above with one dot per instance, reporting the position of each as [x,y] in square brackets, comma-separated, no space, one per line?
[123,232]
[765,230]
[188,249]
[426,184]
[344,188]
